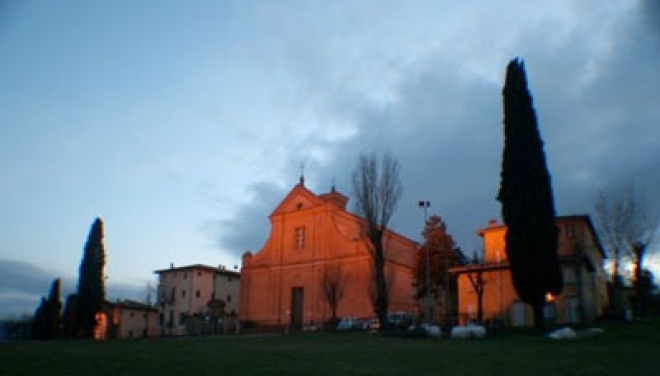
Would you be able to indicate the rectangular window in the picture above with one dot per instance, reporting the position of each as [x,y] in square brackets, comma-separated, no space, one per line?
[183,293]
[182,318]
[197,294]
[569,275]
[228,298]
[570,231]
[299,241]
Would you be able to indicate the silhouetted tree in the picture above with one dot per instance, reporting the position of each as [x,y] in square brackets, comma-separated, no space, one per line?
[40,321]
[626,229]
[526,197]
[377,189]
[644,287]
[48,315]
[69,316]
[476,278]
[332,283]
[91,287]
[442,255]
[54,309]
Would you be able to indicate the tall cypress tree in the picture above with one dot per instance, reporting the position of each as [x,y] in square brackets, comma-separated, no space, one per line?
[91,289]
[40,320]
[54,309]
[526,197]
[45,324]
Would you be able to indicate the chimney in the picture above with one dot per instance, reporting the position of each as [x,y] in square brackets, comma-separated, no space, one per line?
[492,223]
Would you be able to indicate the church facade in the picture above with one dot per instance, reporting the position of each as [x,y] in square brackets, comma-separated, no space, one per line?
[314,241]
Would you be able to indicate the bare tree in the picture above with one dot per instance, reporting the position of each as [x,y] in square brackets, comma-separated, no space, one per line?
[377,189]
[476,278]
[626,229]
[332,283]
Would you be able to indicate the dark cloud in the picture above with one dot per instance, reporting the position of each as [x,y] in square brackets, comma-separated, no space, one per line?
[249,231]
[596,103]
[22,284]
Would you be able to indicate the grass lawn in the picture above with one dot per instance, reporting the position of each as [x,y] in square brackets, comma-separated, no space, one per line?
[624,349]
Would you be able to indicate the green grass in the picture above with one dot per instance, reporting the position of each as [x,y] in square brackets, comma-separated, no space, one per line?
[624,349]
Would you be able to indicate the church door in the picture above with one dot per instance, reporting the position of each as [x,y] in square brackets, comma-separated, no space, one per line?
[297,294]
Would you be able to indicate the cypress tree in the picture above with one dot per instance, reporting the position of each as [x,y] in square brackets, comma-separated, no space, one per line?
[54,309]
[91,289]
[47,317]
[40,321]
[69,316]
[526,198]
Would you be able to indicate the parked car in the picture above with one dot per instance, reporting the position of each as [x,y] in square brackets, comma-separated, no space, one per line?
[349,323]
[402,319]
[371,324]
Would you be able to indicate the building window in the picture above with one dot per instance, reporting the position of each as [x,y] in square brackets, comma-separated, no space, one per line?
[197,294]
[199,274]
[299,206]
[299,240]
[130,314]
[229,279]
[228,298]
[173,295]
[183,293]
[569,275]
[570,231]
[182,318]
[185,275]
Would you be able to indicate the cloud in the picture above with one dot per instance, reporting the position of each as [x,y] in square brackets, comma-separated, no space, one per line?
[22,284]
[591,75]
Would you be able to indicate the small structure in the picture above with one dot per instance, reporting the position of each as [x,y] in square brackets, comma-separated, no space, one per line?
[126,319]
[584,295]
[134,319]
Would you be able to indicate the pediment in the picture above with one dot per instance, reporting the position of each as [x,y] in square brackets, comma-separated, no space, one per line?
[299,198]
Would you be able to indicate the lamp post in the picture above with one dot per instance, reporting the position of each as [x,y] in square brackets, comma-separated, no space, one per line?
[429,307]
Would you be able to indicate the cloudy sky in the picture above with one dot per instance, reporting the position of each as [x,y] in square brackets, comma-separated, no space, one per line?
[182,124]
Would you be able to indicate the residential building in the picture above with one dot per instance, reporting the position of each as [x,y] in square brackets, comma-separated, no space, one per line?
[195,290]
[313,238]
[126,319]
[133,319]
[584,294]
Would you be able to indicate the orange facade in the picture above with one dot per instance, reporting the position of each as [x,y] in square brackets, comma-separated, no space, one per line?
[584,295]
[311,235]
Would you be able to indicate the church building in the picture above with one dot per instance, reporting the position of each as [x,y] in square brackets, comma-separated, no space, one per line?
[314,241]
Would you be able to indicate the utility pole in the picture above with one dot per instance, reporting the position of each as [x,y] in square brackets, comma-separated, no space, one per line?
[429,305]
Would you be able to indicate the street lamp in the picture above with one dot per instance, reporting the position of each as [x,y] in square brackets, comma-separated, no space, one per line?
[429,308]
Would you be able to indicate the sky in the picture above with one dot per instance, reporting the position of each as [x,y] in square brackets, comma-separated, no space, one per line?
[183,124]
